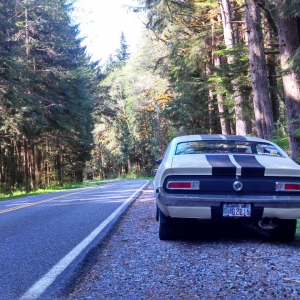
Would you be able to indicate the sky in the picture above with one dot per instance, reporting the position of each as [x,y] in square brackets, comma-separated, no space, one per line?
[102,22]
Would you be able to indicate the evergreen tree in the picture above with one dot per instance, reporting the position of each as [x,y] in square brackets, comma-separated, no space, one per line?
[122,53]
[288,35]
[258,70]
[47,97]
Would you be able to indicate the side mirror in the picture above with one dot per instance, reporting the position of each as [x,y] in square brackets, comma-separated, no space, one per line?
[158,161]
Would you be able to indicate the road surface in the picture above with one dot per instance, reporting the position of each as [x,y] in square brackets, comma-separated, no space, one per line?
[44,238]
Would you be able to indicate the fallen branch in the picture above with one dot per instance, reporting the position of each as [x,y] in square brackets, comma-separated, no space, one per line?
[291,280]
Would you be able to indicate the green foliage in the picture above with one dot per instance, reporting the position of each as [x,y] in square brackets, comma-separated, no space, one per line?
[122,54]
[62,117]
[119,59]
[134,175]
[173,86]
[280,137]
[295,62]
[47,96]
[127,131]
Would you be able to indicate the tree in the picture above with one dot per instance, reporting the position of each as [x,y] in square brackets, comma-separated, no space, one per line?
[288,36]
[130,94]
[191,77]
[271,41]
[122,53]
[239,101]
[47,96]
[260,85]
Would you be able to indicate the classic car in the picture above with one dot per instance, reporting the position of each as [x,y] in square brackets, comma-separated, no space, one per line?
[227,177]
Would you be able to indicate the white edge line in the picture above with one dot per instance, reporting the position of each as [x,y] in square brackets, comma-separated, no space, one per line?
[42,284]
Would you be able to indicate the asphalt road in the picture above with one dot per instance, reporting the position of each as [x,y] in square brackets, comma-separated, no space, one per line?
[44,238]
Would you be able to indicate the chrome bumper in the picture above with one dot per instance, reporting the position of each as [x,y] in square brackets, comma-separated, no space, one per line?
[167,199]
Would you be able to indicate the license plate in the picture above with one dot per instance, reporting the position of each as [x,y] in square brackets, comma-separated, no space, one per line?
[236,210]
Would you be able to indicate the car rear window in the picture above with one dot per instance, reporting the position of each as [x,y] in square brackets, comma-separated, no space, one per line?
[226,147]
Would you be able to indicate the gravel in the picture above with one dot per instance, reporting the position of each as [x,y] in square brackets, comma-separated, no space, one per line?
[206,262]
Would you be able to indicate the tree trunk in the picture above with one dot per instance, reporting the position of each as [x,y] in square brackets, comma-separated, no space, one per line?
[261,99]
[271,66]
[220,98]
[222,114]
[26,166]
[128,165]
[288,36]
[26,34]
[241,125]
[273,87]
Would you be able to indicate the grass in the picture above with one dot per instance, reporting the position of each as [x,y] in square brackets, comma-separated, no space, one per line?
[135,177]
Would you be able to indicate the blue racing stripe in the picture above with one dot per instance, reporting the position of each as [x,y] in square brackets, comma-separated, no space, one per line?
[250,165]
[207,137]
[221,165]
[235,137]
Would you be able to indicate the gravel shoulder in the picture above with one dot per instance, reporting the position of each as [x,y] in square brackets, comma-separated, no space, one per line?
[206,262]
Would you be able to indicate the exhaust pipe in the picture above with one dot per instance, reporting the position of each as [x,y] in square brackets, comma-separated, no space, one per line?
[267,223]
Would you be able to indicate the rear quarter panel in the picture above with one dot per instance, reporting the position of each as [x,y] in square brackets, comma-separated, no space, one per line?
[279,166]
[165,167]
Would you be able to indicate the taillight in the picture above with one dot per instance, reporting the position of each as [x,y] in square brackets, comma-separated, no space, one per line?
[292,186]
[183,185]
[287,187]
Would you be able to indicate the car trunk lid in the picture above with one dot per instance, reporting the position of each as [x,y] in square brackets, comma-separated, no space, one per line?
[234,165]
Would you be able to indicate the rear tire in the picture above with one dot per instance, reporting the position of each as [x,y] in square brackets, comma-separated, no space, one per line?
[285,231]
[168,229]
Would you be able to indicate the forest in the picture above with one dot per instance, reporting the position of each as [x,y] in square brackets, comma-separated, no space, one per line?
[202,66]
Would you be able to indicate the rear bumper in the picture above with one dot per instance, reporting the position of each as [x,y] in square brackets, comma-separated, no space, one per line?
[210,206]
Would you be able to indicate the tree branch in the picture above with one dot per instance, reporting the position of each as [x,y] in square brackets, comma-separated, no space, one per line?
[262,4]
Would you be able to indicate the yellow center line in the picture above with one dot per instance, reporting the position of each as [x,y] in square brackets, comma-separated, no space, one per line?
[40,202]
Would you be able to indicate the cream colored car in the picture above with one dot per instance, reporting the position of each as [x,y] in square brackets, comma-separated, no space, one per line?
[219,177]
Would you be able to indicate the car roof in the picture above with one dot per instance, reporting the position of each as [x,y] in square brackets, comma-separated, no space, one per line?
[216,137]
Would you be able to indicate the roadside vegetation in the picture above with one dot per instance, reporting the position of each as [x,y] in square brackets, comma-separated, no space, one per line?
[69,186]
[201,67]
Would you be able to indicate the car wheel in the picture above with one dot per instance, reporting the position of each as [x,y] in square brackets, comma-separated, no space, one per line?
[157,213]
[285,231]
[168,228]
